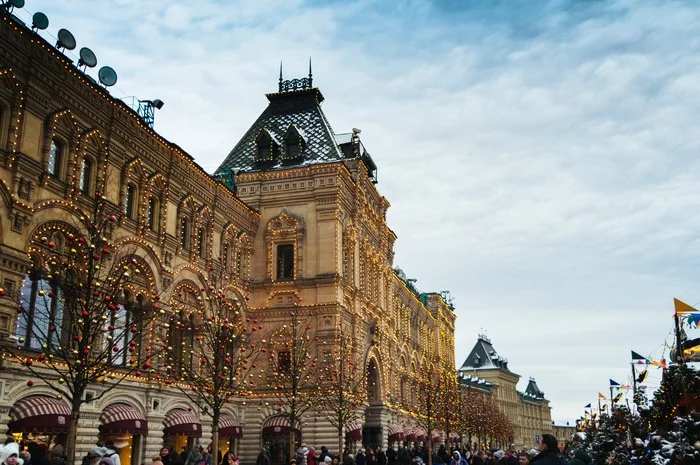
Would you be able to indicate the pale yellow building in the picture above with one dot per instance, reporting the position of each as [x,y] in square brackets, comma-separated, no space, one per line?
[293,221]
[528,411]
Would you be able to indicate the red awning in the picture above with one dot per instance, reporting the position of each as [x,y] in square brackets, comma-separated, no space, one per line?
[278,426]
[396,433]
[180,422]
[229,426]
[122,419]
[454,437]
[353,431]
[436,435]
[40,414]
[420,434]
[411,434]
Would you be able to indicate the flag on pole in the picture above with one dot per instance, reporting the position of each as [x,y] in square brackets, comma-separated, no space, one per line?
[617,398]
[587,406]
[636,356]
[642,376]
[601,396]
[614,383]
[682,307]
[604,407]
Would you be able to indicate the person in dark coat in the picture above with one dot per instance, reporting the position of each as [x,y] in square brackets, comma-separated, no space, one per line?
[549,452]
[404,456]
[391,456]
[381,457]
[263,458]
[360,457]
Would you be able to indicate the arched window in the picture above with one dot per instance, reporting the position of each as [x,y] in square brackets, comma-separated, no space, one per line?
[185,233]
[129,202]
[41,316]
[201,246]
[152,213]
[55,157]
[85,175]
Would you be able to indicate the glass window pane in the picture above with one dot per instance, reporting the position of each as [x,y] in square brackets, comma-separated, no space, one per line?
[42,306]
[85,173]
[54,158]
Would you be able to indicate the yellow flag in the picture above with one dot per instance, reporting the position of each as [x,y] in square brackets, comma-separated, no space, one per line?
[682,307]
[601,396]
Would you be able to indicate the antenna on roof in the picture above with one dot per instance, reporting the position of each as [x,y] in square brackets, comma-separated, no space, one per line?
[87,58]
[107,76]
[39,21]
[65,40]
[9,5]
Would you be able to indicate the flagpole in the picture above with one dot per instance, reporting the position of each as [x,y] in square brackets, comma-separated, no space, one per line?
[612,404]
[679,348]
[634,386]
[599,409]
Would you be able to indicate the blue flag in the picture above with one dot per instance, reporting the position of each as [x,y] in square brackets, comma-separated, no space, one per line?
[587,406]
[614,383]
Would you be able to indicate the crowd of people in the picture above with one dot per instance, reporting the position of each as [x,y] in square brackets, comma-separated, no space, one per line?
[548,453]
[105,453]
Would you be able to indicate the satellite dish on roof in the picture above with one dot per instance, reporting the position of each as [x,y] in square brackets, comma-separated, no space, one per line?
[40,21]
[107,76]
[9,5]
[65,39]
[87,58]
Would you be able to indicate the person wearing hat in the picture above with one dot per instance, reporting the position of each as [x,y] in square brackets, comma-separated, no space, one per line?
[9,454]
[327,459]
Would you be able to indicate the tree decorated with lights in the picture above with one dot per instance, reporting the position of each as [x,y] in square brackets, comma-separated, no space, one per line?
[86,312]
[426,410]
[292,371]
[343,386]
[212,348]
[448,403]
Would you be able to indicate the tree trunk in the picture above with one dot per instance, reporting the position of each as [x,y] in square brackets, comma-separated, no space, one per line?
[430,447]
[69,446]
[340,443]
[215,439]
[292,442]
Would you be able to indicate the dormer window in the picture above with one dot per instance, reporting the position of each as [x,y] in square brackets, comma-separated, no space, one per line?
[293,143]
[265,146]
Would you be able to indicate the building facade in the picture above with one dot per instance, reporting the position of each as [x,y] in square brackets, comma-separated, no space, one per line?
[292,222]
[529,411]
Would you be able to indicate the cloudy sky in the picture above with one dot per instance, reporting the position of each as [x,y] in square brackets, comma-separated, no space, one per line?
[541,157]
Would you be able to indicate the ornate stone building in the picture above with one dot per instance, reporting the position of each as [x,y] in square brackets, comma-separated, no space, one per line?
[293,220]
[529,411]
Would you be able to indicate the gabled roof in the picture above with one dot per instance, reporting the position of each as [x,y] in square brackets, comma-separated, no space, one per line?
[533,390]
[484,357]
[300,108]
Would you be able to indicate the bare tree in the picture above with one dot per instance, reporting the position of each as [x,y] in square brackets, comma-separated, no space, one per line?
[426,409]
[343,386]
[211,348]
[86,312]
[292,371]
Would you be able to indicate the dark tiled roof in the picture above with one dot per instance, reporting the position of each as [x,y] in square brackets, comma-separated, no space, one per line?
[533,390]
[484,357]
[300,108]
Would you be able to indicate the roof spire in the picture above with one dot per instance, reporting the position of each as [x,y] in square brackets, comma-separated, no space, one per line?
[311,80]
[280,85]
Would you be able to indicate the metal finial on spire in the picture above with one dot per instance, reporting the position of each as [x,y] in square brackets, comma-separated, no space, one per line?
[280,85]
[311,80]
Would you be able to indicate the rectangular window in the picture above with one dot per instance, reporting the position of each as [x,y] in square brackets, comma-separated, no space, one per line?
[55,158]
[284,361]
[285,261]
[151,213]
[85,174]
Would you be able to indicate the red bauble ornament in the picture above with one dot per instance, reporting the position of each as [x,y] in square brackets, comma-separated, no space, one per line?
[29,362]
[112,218]
[3,293]
[30,383]
[115,348]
